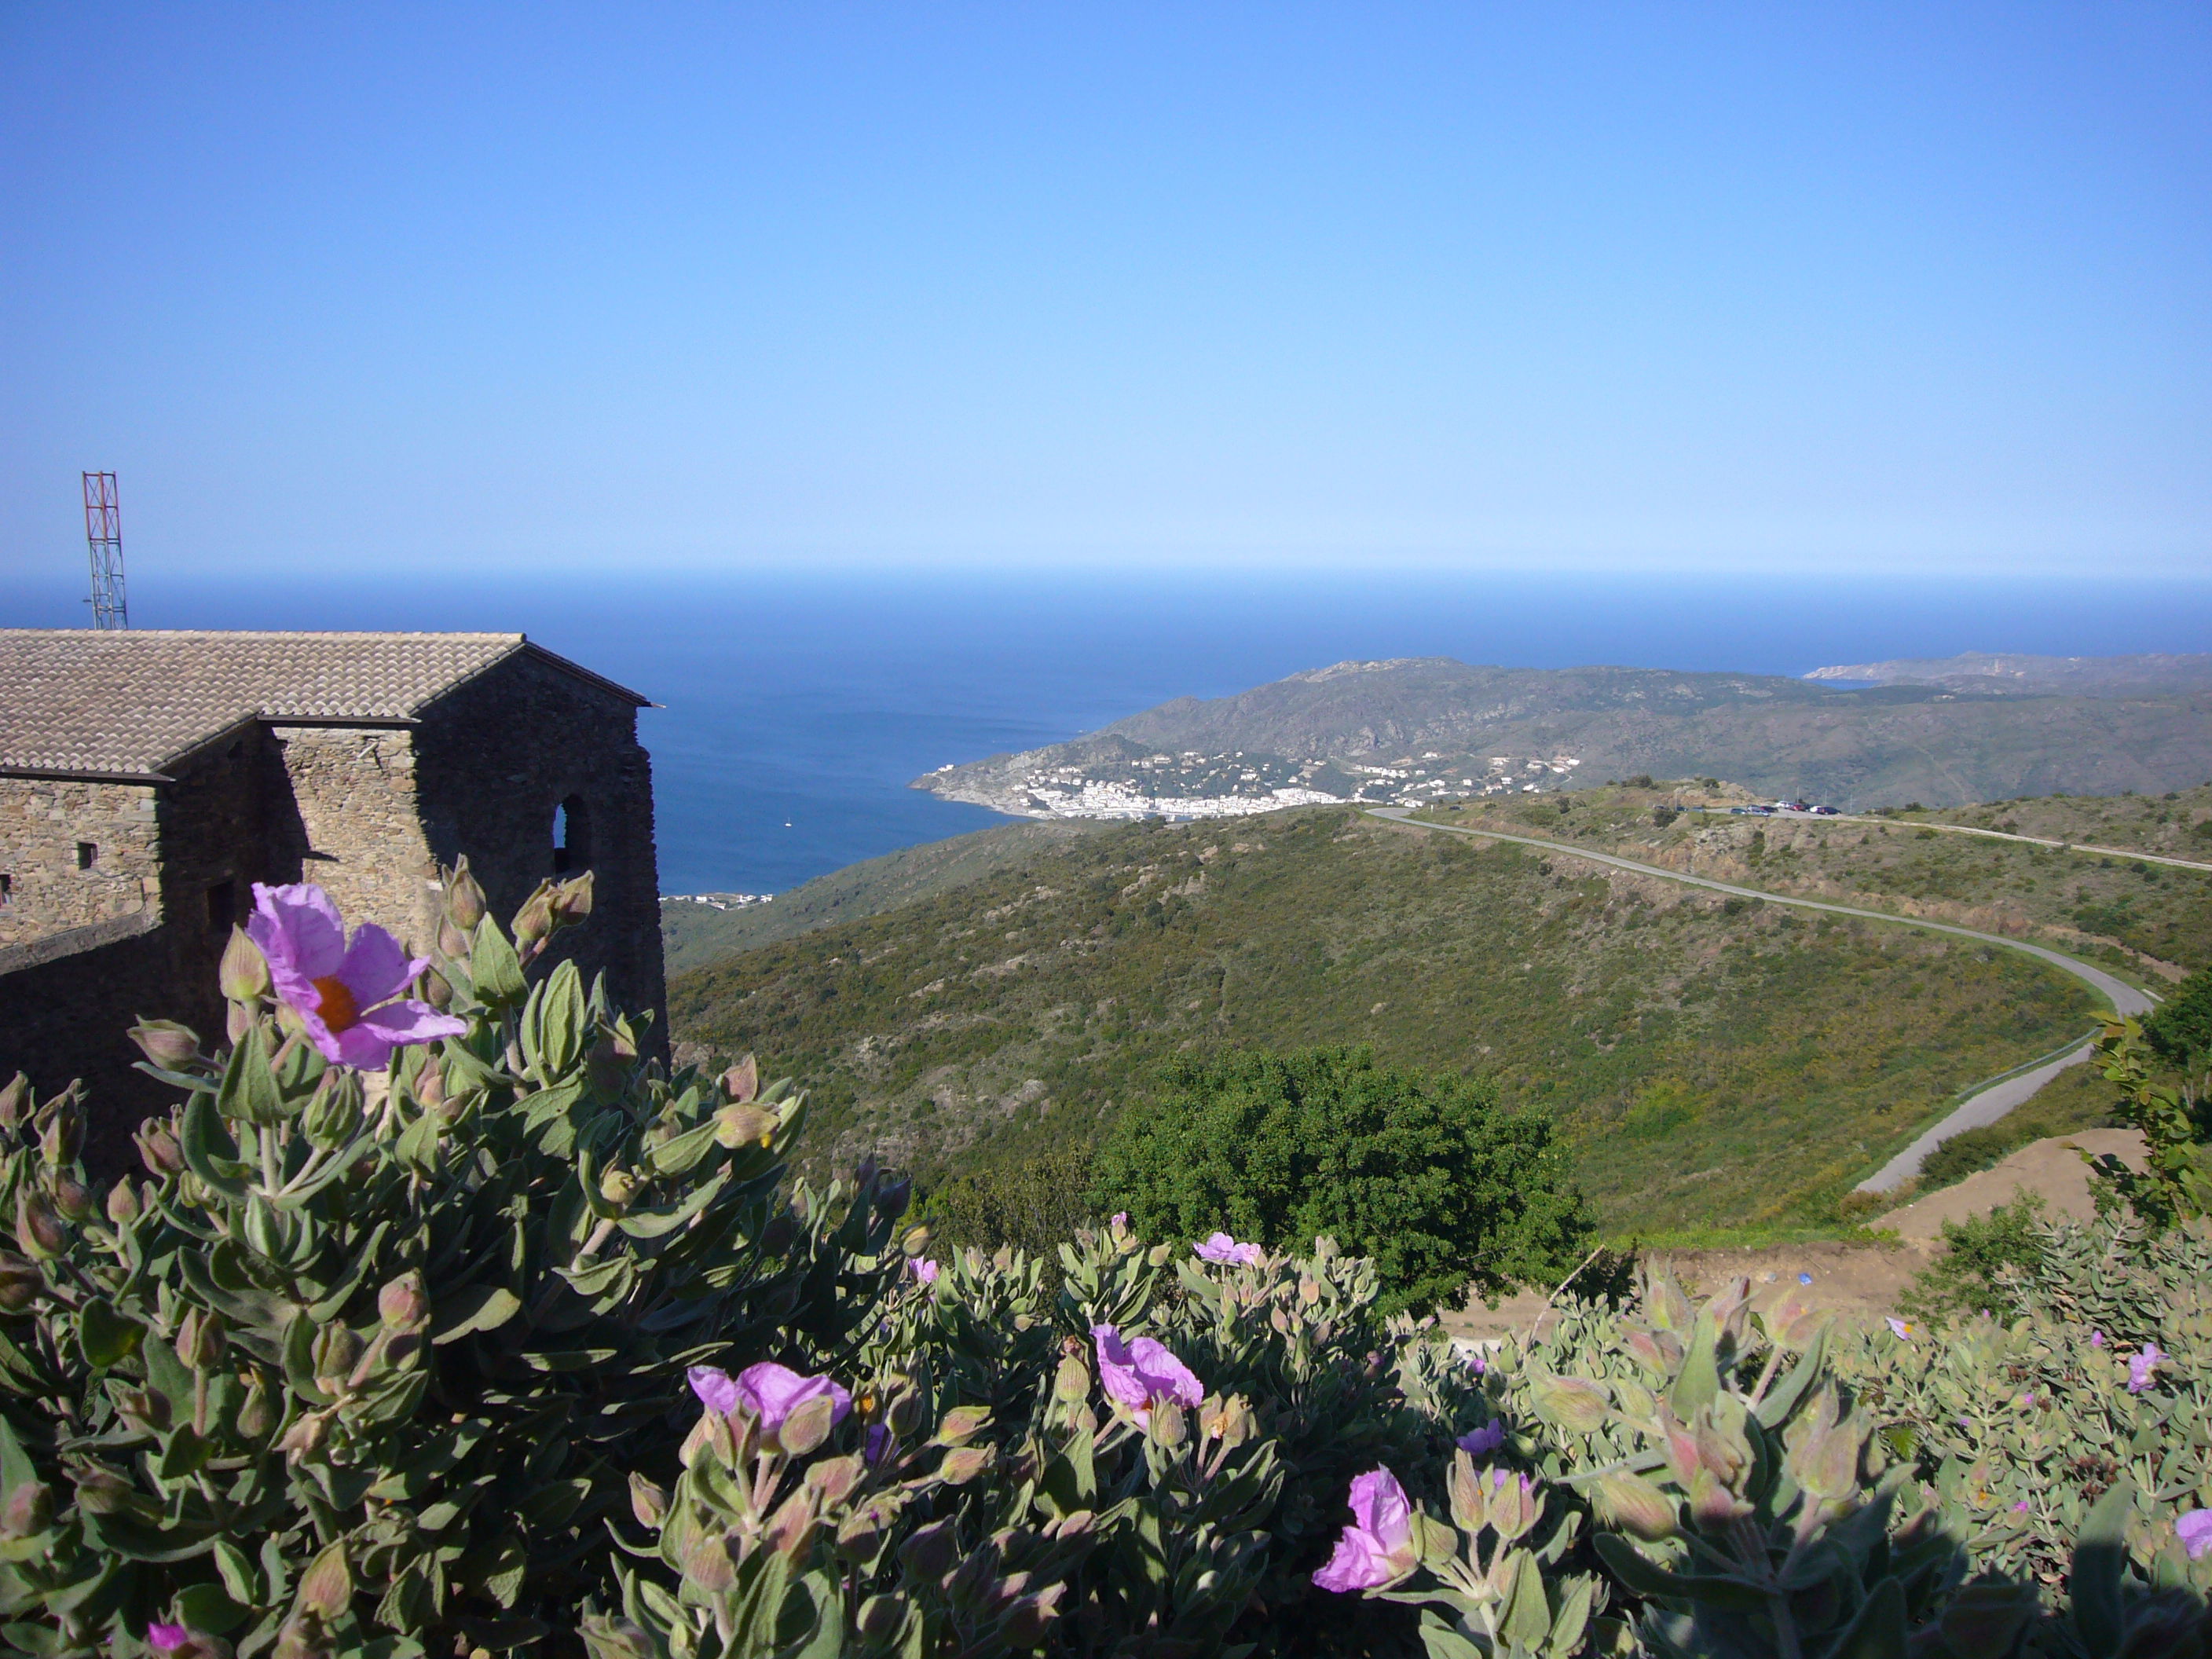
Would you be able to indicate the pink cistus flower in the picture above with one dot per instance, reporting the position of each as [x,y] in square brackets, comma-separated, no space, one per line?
[167,1638]
[2096,1339]
[2194,1529]
[1487,1438]
[1901,1328]
[2143,1366]
[769,1391]
[1137,1373]
[350,997]
[1377,1548]
[1219,1246]
[924,1270]
[1118,1221]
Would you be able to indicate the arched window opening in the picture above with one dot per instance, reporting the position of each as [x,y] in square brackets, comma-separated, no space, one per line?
[572,836]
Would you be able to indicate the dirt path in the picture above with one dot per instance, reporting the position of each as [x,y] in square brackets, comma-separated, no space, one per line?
[1861,1282]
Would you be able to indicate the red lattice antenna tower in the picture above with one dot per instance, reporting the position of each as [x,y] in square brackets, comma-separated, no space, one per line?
[103,535]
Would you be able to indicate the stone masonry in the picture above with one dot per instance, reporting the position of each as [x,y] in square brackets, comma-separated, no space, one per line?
[148,780]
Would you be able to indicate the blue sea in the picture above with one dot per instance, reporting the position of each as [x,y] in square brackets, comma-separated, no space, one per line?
[795,709]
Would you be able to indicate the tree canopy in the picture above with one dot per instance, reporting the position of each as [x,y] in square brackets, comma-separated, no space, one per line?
[1425,1171]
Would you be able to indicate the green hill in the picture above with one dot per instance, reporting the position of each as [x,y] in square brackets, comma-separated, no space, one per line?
[694,933]
[1709,1061]
[2131,914]
[1399,727]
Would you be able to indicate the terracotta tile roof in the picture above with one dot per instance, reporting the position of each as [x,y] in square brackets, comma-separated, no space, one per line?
[126,702]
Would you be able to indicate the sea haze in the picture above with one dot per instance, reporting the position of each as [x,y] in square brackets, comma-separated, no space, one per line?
[810,701]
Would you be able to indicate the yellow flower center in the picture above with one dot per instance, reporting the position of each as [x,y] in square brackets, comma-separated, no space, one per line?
[335,1006]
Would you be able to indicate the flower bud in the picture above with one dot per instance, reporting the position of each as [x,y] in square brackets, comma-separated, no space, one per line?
[21,1281]
[14,1101]
[1514,1504]
[305,1438]
[618,1186]
[903,1413]
[170,1046]
[1073,1380]
[647,1501]
[1572,1403]
[807,1427]
[101,1491]
[1713,1505]
[38,1227]
[962,1423]
[404,1304]
[452,943]
[61,1134]
[1168,1425]
[464,900]
[535,919]
[238,1021]
[1635,1505]
[893,1196]
[436,989]
[244,975]
[881,1619]
[72,1197]
[256,1413]
[28,1511]
[124,1207]
[201,1339]
[335,1353]
[571,902]
[1469,1495]
[929,1552]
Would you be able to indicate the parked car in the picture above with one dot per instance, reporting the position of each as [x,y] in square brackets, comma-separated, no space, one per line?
[1827,811]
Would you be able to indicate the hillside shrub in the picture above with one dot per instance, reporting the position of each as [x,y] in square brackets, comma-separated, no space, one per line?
[1425,1172]
[1034,1204]
[505,1339]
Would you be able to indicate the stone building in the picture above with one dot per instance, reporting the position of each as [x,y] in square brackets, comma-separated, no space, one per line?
[149,779]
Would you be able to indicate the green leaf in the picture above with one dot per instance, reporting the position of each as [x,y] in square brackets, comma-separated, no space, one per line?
[1646,1578]
[1698,1383]
[1879,1631]
[238,1575]
[2100,1555]
[208,1607]
[183,1453]
[657,1222]
[553,1025]
[105,1335]
[480,1307]
[1782,1399]
[494,966]
[210,1152]
[249,1092]
[1442,1642]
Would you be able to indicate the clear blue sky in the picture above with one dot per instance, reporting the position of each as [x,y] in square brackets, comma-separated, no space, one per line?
[1906,287]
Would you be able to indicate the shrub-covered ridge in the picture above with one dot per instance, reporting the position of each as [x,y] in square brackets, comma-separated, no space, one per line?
[521,1343]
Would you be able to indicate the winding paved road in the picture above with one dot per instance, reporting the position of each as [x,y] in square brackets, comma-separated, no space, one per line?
[1984,1107]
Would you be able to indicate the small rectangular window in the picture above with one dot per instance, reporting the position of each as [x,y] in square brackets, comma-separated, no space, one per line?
[7,889]
[87,852]
[222,906]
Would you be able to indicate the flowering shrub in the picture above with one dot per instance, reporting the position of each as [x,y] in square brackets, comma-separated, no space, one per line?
[445,1321]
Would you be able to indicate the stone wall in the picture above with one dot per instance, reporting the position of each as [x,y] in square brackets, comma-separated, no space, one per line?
[356,825]
[53,885]
[494,760]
